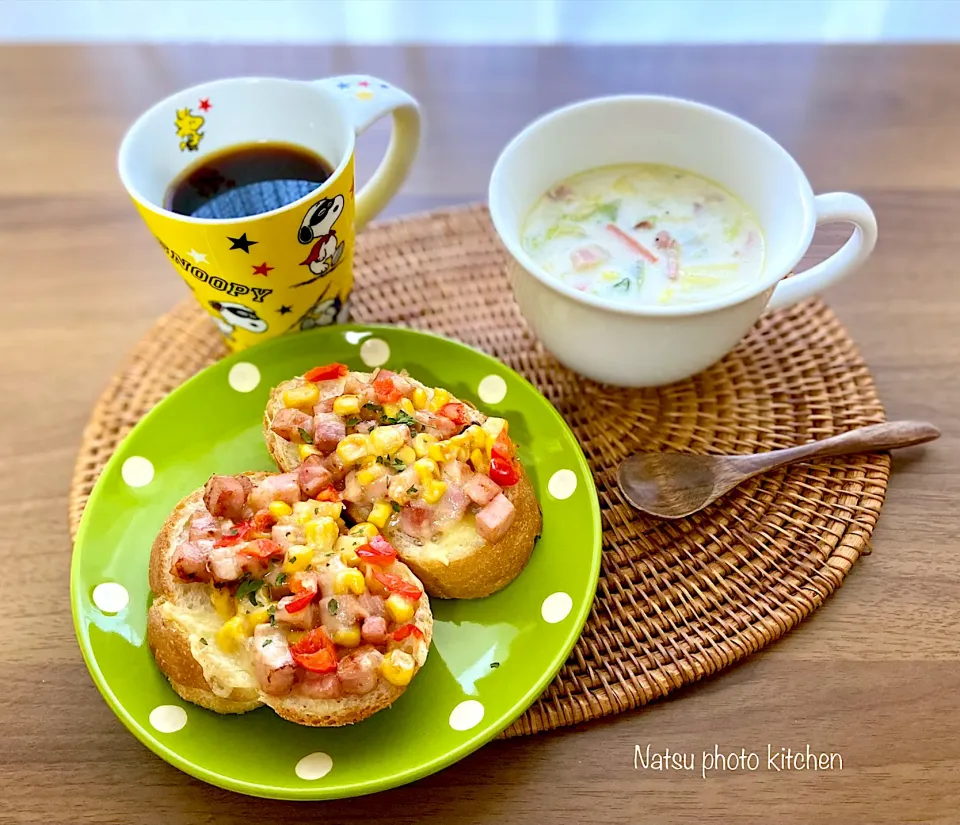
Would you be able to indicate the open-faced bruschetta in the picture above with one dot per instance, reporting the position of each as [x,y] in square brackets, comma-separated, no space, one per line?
[259,598]
[438,478]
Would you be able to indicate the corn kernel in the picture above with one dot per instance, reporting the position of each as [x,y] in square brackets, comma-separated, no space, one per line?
[346,405]
[298,559]
[306,450]
[391,410]
[321,533]
[407,406]
[348,581]
[438,452]
[397,668]
[347,547]
[380,514]
[479,461]
[352,448]
[364,529]
[347,637]
[426,468]
[407,454]
[368,475]
[433,491]
[399,608]
[255,617]
[422,442]
[301,398]
[386,440]
[477,437]
[223,603]
[440,399]
[327,509]
[420,398]
[374,586]
[294,636]
[279,509]
[231,634]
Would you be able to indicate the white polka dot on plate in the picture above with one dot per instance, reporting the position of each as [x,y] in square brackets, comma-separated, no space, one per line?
[137,471]
[168,718]
[492,389]
[556,607]
[314,766]
[466,715]
[110,597]
[374,352]
[562,484]
[355,337]
[244,376]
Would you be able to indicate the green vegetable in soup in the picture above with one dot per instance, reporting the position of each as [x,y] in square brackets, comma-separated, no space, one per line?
[624,186]
[608,210]
[564,229]
[623,285]
[732,232]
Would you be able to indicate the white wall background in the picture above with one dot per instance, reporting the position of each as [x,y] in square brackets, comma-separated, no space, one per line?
[480,21]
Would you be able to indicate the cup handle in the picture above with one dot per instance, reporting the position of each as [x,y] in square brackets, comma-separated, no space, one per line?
[365,100]
[832,208]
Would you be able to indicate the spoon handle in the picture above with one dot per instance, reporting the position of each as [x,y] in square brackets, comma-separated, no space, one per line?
[874,438]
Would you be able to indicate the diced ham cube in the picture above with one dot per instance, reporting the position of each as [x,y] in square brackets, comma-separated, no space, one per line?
[331,388]
[204,526]
[495,519]
[587,257]
[313,476]
[190,562]
[288,423]
[320,685]
[482,489]
[456,472]
[370,605]
[273,663]
[359,671]
[224,563]
[437,425]
[328,431]
[226,496]
[304,619]
[416,520]
[374,630]
[285,534]
[282,487]
[451,507]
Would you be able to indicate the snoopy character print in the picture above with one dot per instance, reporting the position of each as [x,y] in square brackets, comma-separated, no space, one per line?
[317,228]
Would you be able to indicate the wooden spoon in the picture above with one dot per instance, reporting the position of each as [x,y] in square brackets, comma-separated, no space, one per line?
[673,485]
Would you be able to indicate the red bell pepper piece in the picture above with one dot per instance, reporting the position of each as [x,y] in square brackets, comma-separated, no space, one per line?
[263,521]
[305,591]
[386,390]
[397,585]
[401,633]
[326,372]
[456,412]
[263,549]
[239,533]
[315,652]
[503,447]
[377,551]
[328,493]
[503,472]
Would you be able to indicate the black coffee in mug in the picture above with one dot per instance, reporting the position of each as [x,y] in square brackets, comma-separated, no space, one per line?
[245,180]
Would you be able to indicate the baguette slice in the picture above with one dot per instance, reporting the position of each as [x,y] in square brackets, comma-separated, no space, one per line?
[182,618]
[460,564]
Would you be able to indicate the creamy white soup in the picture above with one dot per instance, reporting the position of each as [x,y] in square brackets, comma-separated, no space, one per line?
[645,233]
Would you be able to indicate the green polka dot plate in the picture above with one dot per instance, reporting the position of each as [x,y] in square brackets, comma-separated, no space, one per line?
[490,658]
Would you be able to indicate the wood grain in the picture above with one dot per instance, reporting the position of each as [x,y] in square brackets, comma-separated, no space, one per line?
[871,676]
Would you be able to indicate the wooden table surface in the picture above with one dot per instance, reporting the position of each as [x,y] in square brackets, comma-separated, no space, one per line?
[872,676]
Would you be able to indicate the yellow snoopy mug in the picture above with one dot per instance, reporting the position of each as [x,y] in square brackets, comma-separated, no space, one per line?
[289,268]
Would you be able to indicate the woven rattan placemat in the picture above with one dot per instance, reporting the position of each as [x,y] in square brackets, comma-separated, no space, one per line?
[676,600]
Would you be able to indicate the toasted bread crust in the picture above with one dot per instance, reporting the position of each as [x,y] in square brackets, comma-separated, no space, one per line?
[170,645]
[482,572]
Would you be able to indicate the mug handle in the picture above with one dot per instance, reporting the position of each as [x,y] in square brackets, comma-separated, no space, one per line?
[365,100]
[831,208]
